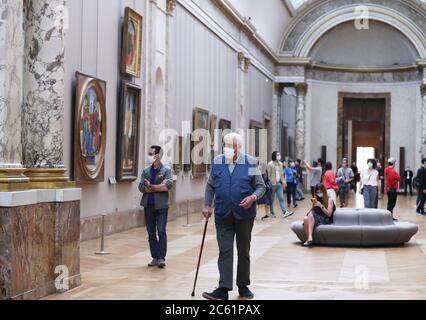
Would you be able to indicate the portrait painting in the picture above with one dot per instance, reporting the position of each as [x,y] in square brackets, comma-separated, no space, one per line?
[200,121]
[89,128]
[128,132]
[131,43]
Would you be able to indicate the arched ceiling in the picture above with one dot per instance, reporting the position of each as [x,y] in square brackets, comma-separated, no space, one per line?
[379,45]
[319,17]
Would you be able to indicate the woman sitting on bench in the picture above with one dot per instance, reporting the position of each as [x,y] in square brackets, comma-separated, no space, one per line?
[322,212]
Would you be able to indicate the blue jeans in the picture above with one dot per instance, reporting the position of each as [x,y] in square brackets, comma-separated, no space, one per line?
[370,197]
[299,192]
[278,190]
[156,221]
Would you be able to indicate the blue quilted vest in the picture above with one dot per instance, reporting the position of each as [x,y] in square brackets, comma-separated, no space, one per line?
[231,189]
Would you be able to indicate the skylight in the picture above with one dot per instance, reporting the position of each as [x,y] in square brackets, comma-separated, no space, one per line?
[297,3]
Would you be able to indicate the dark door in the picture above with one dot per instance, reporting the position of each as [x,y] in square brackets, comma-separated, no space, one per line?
[367,117]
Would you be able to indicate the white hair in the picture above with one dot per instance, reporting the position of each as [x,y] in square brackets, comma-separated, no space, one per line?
[232,137]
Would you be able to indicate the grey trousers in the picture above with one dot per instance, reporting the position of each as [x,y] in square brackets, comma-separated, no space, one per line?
[226,230]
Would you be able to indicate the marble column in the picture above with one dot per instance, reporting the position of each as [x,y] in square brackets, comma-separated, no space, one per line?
[276,116]
[43,105]
[241,98]
[11,62]
[423,143]
[300,120]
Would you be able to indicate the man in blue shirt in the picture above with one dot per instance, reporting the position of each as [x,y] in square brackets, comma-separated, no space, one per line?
[236,184]
[156,181]
[291,174]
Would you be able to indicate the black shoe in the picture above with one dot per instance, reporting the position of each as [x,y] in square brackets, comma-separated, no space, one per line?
[161,263]
[218,294]
[245,292]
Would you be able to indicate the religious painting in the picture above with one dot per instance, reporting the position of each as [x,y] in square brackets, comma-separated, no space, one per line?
[89,128]
[200,121]
[128,132]
[131,43]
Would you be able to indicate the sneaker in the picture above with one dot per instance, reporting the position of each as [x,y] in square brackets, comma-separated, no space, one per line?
[161,263]
[288,214]
[273,216]
[218,294]
[295,205]
[245,292]
[153,263]
[266,217]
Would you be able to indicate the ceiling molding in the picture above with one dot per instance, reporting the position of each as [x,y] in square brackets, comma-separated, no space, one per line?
[246,26]
[347,13]
[363,69]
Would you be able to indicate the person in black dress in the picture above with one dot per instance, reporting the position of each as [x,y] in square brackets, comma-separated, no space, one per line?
[322,212]
[421,177]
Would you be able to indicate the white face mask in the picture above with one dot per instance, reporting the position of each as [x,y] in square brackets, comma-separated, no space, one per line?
[370,165]
[229,153]
[320,195]
[278,158]
[150,159]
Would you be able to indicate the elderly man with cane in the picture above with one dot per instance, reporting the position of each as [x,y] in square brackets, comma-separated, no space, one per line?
[236,183]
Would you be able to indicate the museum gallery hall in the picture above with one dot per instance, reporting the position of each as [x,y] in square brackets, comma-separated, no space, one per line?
[138,138]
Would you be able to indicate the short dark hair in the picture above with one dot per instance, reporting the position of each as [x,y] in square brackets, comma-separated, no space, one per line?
[423,160]
[328,166]
[320,161]
[274,155]
[314,163]
[298,161]
[158,150]
[374,162]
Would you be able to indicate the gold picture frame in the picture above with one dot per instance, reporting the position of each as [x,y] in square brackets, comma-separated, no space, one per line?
[131,51]
[128,126]
[90,125]
[200,121]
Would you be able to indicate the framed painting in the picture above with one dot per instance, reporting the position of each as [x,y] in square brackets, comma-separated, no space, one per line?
[212,128]
[128,132]
[187,147]
[178,155]
[131,43]
[200,121]
[90,125]
[225,128]
[212,132]
[255,138]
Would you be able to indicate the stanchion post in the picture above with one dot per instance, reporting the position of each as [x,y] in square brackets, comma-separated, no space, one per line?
[102,252]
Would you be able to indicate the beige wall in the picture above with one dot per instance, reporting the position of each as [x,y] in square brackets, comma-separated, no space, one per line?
[321,111]
[93,47]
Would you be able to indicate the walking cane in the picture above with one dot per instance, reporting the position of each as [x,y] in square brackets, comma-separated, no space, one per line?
[199,258]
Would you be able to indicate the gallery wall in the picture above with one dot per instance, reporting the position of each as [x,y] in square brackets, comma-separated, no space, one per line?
[321,112]
[93,46]
[201,72]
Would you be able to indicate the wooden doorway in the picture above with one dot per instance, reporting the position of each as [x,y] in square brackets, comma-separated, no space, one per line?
[364,121]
